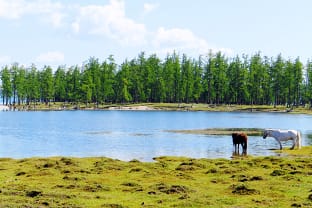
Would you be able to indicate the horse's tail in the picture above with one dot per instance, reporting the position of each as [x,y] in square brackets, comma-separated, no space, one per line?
[298,143]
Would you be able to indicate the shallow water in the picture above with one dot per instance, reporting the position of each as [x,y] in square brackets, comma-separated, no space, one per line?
[142,135]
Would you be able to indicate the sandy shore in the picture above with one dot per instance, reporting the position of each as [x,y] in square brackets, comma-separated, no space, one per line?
[139,108]
[4,108]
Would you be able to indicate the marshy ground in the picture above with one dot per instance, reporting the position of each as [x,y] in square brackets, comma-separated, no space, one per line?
[167,182]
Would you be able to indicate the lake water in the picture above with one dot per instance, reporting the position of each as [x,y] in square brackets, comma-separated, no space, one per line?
[141,135]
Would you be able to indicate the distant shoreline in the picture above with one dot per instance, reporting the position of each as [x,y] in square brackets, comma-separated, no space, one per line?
[157,106]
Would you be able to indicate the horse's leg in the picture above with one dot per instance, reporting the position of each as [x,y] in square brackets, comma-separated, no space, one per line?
[279,142]
[236,148]
[242,144]
[294,143]
[299,140]
[244,148]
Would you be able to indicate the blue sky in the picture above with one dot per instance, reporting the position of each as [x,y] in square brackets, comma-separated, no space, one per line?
[52,32]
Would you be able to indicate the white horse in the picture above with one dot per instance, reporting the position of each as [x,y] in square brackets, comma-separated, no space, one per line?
[284,135]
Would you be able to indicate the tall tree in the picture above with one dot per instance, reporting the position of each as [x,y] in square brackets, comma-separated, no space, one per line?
[14,75]
[60,85]
[155,87]
[47,87]
[209,71]
[187,80]
[309,82]
[289,83]
[267,82]
[220,78]
[169,79]
[198,76]
[237,79]
[257,76]
[6,85]
[92,68]
[87,87]
[122,84]
[215,78]
[298,78]
[108,71]
[21,85]
[137,79]
[176,77]
[277,74]
[172,77]
[33,85]
[73,84]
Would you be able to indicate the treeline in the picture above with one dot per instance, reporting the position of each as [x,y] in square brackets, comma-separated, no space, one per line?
[213,79]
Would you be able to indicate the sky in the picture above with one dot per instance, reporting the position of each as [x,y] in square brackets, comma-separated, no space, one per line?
[57,33]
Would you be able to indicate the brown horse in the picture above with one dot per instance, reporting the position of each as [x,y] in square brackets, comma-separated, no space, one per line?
[240,138]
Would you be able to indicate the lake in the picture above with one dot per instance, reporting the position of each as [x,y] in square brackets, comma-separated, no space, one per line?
[141,135]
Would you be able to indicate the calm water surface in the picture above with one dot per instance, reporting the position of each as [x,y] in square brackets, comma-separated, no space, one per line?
[142,135]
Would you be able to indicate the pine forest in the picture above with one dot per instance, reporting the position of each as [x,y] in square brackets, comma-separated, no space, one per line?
[213,79]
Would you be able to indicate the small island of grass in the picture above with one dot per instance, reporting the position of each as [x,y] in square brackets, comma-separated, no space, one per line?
[221,131]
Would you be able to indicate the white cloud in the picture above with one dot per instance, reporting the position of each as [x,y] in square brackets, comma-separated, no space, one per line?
[56,19]
[5,59]
[51,57]
[148,7]
[110,20]
[182,40]
[12,9]
[75,27]
[179,39]
[16,9]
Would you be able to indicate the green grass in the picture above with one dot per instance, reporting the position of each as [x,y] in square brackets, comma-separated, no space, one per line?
[167,182]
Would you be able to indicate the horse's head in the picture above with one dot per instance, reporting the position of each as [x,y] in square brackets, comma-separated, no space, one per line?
[265,134]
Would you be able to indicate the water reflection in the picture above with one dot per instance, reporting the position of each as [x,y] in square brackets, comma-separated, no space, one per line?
[236,154]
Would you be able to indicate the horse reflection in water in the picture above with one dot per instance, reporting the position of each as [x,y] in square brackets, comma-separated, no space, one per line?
[239,139]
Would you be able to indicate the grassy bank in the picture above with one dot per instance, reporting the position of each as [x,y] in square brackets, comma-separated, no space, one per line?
[167,182]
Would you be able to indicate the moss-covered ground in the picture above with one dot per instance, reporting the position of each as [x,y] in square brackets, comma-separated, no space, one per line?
[167,182]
